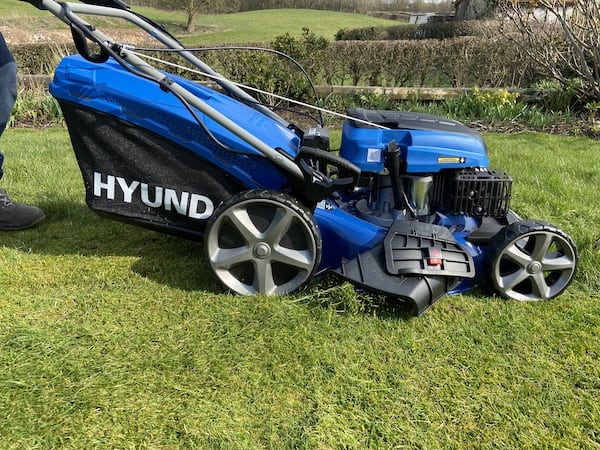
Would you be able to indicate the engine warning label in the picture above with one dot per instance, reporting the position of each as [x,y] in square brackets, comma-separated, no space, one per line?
[451,160]
[374,155]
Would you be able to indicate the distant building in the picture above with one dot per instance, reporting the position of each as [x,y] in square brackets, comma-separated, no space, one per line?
[419,19]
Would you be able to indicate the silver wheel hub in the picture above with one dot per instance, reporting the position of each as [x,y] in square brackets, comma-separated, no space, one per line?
[262,250]
[534,267]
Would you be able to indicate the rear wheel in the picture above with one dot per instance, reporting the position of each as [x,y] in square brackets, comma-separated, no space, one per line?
[262,242]
[532,260]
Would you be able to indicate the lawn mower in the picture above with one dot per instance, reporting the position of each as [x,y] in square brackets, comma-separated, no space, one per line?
[407,207]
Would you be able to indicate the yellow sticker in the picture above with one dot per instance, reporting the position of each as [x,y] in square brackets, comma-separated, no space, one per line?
[451,160]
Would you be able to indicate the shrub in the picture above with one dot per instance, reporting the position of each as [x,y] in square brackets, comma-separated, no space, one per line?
[499,105]
[40,58]
[35,108]
[482,60]
[433,30]
[554,97]
[563,45]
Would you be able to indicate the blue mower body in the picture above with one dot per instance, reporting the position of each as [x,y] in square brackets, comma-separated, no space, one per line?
[108,107]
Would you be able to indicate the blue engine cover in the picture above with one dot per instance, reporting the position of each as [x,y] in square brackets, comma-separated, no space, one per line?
[428,143]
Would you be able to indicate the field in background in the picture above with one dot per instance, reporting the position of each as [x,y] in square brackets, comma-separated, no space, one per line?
[247,27]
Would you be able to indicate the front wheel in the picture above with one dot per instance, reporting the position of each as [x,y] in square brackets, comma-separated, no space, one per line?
[532,260]
[262,242]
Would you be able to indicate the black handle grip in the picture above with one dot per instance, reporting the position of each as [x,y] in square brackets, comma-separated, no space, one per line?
[36,3]
[84,50]
[346,168]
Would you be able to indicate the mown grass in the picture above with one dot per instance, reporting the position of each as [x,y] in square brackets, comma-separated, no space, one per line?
[252,26]
[263,25]
[115,337]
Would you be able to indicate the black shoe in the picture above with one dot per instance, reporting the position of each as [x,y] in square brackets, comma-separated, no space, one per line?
[16,216]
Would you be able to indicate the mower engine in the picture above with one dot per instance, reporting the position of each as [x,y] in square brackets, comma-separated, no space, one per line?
[444,215]
[422,165]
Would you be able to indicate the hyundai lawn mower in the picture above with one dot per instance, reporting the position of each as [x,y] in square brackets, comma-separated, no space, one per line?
[407,207]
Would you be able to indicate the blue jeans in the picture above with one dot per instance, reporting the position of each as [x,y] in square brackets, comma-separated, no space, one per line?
[8,97]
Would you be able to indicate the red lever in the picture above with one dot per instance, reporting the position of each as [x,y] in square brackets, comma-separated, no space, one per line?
[435,257]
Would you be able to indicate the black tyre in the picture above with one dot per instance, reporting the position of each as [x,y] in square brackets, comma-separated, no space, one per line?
[532,260]
[262,242]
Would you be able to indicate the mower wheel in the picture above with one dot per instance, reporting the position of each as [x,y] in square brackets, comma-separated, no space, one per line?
[262,242]
[532,260]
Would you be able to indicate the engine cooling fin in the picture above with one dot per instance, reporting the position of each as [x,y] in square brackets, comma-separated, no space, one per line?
[475,192]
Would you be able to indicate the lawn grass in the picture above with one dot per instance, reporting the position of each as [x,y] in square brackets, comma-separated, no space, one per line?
[116,337]
[263,25]
[246,27]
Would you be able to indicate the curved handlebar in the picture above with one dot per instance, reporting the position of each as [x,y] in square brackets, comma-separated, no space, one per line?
[110,3]
[82,47]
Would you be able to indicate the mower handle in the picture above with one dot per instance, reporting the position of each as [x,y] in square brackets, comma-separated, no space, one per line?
[36,3]
[80,41]
[110,3]
[69,14]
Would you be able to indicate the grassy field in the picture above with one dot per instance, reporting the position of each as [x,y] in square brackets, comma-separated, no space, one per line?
[246,27]
[116,337]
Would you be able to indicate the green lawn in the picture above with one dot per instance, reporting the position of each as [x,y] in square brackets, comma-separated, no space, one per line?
[264,25]
[115,337]
[247,27]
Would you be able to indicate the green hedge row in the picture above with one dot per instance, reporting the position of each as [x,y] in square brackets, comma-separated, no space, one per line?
[40,59]
[459,62]
[434,30]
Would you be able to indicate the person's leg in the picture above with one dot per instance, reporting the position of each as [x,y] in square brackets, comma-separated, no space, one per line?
[13,216]
[8,93]
[8,96]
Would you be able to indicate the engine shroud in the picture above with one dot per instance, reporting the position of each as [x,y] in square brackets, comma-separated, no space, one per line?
[444,165]
[428,144]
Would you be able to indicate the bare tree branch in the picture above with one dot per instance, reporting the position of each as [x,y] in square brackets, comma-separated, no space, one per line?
[562,37]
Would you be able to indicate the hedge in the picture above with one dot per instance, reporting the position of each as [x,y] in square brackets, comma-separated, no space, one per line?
[458,62]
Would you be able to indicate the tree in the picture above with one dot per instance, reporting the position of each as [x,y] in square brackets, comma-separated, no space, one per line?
[473,9]
[563,38]
[192,9]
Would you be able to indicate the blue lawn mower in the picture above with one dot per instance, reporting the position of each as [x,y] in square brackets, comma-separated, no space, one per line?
[407,207]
